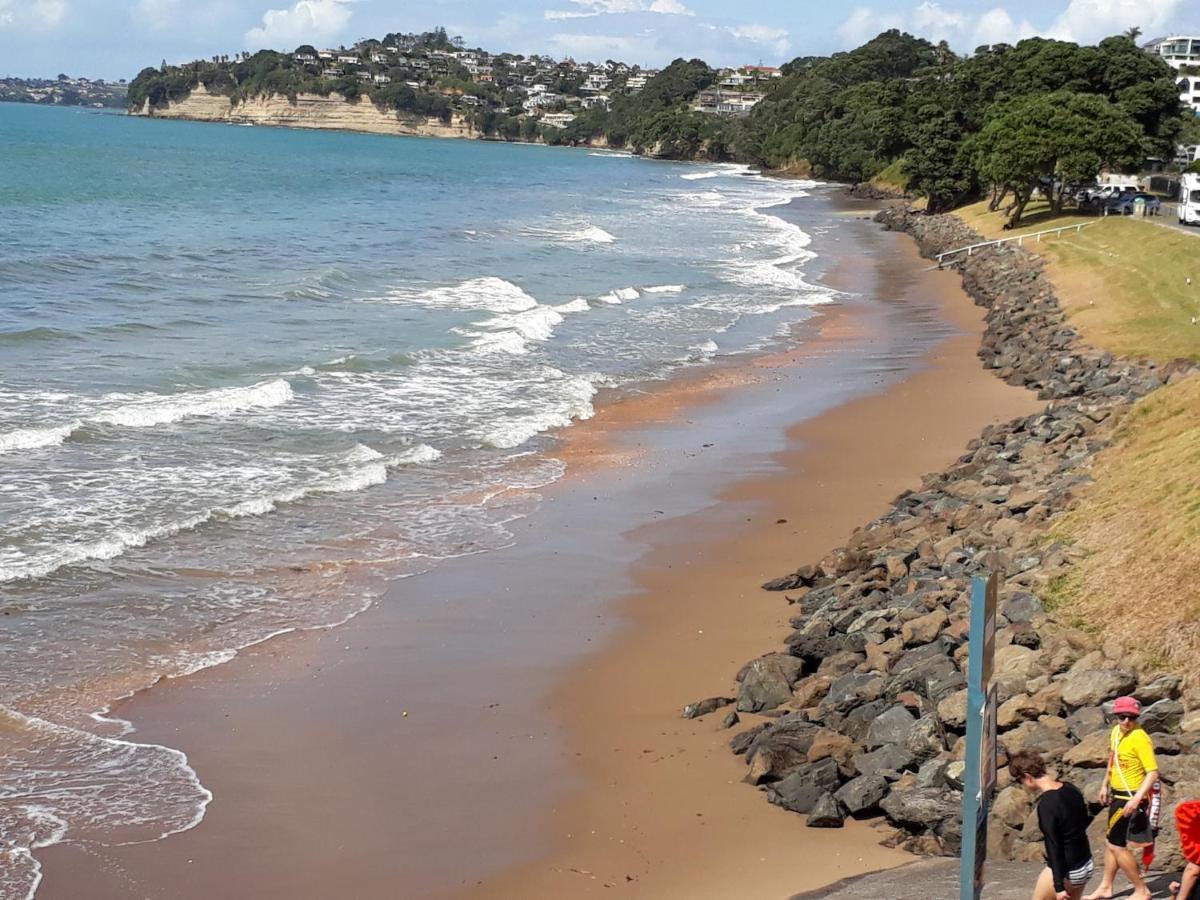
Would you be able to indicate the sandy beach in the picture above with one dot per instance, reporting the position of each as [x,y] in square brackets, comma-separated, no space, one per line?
[508,725]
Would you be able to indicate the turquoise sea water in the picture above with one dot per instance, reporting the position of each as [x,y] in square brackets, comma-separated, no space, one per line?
[248,376]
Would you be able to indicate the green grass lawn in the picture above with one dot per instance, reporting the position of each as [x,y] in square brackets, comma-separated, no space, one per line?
[1133,288]
[1128,285]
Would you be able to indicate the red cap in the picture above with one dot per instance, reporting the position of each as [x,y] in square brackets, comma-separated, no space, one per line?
[1126,706]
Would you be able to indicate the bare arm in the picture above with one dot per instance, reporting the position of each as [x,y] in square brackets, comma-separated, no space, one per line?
[1191,874]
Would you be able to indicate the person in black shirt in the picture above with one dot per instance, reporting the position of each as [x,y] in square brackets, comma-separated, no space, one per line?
[1063,818]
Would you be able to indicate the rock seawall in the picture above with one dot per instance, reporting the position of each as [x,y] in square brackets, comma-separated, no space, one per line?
[333,113]
[862,712]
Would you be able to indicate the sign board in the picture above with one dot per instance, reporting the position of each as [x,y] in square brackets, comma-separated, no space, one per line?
[980,773]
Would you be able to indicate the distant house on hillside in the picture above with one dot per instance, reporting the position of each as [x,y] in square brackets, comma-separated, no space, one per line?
[558,119]
[1182,53]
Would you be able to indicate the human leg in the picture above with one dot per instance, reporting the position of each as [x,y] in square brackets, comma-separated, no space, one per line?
[1044,888]
[1129,868]
[1105,889]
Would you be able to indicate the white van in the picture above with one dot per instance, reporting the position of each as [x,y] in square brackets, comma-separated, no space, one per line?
[1189,199]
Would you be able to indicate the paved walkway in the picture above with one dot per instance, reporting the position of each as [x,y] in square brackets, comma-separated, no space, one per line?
[937,879]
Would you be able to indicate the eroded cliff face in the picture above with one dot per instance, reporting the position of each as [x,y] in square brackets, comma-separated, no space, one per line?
[307,111]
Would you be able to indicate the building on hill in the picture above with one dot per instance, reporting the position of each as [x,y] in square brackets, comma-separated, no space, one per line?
[558,119]
[1182,53]
[726,103]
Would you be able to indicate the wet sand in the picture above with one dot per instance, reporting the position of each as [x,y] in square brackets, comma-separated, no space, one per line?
[508,724]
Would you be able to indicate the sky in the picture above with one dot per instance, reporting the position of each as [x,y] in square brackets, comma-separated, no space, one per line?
[116,38]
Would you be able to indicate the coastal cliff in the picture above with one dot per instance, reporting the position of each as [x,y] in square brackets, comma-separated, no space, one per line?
[333,113]
[864,708]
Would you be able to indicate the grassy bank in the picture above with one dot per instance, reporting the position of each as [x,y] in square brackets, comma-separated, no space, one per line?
[1132,288]
[1140,525]
[1129,286]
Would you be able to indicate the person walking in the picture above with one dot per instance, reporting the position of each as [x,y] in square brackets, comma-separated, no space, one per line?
[1132,771]
[1063,818]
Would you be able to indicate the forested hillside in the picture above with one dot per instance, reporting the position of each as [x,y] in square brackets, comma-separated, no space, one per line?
[1004,117]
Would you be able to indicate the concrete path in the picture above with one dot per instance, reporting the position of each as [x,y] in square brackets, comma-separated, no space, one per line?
[937,879]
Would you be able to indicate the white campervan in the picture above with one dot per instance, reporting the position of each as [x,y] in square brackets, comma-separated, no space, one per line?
[1189,199]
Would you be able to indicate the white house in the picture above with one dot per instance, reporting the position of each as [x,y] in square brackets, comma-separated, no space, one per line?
[1178,51]
[558,119]
[347,58]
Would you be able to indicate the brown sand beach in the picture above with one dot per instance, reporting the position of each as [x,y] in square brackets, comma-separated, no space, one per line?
[508,725]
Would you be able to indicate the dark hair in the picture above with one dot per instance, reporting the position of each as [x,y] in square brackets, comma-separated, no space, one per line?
[1026,762]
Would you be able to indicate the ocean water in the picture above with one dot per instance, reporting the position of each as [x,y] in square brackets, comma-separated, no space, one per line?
[248,377]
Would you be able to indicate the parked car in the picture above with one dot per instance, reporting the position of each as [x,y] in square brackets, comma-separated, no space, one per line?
[1124,203]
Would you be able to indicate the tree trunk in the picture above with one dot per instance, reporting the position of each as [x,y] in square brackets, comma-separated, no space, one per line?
[1018,207]
[998,195]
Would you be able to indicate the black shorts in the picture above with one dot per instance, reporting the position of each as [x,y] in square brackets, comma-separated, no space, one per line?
[1124,830]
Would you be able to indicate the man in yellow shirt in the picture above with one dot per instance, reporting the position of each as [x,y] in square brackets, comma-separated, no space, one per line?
[1132,772]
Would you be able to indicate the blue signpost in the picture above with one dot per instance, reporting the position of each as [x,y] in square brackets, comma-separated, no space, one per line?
[979,777]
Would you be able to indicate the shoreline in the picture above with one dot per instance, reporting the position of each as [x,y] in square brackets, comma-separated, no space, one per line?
[302,651]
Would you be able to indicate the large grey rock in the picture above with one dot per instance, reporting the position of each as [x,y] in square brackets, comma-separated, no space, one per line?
[851,690]
[1160,687]
[1085,721]
[855,724]
[826,813]
[704,707]
[1022,607]
[924,739]
[921,808]
[862,794]
[802,788]
[768,682]
[1165,716]
[1091,687]
[892,727]
[780,748]
[888,759]
[933,773]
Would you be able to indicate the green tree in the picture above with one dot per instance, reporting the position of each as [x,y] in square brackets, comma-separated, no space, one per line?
[1049,141]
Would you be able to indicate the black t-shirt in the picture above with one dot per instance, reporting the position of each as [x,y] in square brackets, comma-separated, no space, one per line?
[1063,817]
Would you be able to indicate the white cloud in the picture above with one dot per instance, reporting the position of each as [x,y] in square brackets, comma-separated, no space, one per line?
[935,22]
[629,47]
[1087,21]
[774,38]
[996,26]
[864,23]
[591,8]
[933,18]
[157,14]
[307,21]
[669,8]
[41,14]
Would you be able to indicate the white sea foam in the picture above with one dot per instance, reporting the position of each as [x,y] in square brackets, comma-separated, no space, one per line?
[34,438]
[535,324]
[146,410]
[368,468]
[665,289]
[147,790]
[488,293]
[618,296]
[422,453]
[574,403]
[573,306]
[573,233]
[698,176]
